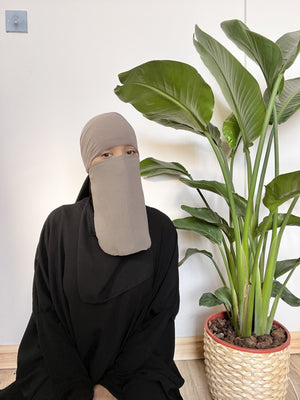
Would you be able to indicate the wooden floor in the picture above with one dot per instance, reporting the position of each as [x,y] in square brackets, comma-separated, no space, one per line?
[195,387]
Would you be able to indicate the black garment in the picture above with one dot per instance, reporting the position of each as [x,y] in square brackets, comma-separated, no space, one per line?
[99,318]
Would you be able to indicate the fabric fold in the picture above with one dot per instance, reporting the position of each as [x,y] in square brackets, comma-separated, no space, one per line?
[101,276]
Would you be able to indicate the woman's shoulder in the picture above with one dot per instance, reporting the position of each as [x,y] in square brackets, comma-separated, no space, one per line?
[65,214]
[158,220]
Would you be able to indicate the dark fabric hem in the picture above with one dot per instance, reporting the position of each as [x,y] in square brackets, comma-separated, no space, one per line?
[80,390]
[11,392]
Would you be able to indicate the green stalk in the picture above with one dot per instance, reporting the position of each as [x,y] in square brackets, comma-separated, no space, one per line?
[268,283]
[255,293]
[261,181]
[276,300]
[271,264]
[249,166]
[200,193]
[249,210]
[249,180]
[276,159]
[219,272]
[228,181]
[241,272]
[232,155]
[235,307]
[258,304]
[252,184]
[262,256]
[231,264]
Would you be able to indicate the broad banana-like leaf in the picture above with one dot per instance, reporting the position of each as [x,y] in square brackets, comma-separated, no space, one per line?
[293,220]
[239,87]
[189,252]
[260,49]
[214,133]
[170,93]
[153,167]
[209,300]
[209,231]
[286,295]
[288,102]
[223,294]
[281,189]
[220,189]
[231,131]
[284,266]
[290,46]
[204,214]
[210,216]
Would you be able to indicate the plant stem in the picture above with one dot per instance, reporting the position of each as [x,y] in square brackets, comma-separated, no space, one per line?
[276,300]
[230,258]
[276,158]
[261,181]
[271,264]
[249,210]
[234,300]
[200,193]
[241,273]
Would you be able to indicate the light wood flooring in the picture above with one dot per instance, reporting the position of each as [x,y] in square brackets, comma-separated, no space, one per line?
[195,387]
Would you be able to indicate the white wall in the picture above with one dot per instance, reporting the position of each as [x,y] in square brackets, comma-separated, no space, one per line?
[61,73]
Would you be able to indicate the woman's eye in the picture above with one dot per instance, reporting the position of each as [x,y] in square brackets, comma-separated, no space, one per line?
[106,155]
[131,152]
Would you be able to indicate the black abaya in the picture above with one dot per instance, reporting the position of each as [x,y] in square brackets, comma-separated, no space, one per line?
[100,319]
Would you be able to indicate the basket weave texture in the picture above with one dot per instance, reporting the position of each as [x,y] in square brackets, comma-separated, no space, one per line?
[238,375]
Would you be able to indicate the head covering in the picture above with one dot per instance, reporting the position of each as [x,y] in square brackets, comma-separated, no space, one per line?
[120,216]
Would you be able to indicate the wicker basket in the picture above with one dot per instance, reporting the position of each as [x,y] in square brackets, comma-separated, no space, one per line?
[235,373]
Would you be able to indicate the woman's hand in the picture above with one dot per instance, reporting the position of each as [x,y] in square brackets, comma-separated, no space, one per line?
[101,393]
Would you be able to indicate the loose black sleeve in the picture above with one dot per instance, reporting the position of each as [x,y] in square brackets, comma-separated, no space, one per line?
[66,371]
[146,361]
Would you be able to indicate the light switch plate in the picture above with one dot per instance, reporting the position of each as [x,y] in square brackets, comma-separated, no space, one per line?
[16,21]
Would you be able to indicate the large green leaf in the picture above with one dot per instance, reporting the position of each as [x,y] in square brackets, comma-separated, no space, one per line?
[209,300]
[210,216]
[267,224]
[224,295]
[211,232]
[189,252]
[288,102]
[286,295]
[153,167]
[214,133]
[220,189]
[231,131]
[281,189]
[262,50]
[220,296]
[284,266]
[239,87]
[170,93]
[290,46]
[204,214]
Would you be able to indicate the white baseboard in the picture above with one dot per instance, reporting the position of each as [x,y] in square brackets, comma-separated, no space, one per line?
[187,348]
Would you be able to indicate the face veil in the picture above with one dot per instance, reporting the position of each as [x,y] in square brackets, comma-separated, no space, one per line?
[120,216]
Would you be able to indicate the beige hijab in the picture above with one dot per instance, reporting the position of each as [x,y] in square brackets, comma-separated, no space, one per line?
[120,216]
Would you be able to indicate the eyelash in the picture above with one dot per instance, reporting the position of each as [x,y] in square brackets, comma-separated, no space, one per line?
[129,152]
[105,155]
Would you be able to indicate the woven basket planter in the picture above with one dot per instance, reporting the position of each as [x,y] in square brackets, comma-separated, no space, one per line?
[236,373]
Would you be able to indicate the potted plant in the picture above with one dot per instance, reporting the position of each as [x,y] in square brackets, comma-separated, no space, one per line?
[175,95]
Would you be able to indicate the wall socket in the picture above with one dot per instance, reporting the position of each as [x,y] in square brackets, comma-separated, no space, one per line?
[16,21]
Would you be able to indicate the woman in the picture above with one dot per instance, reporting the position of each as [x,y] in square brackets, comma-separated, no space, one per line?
[105,290]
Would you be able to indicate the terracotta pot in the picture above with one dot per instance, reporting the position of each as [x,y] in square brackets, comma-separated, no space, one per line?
[235,372]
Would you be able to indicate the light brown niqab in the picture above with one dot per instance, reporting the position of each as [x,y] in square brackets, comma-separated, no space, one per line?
[120,216]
